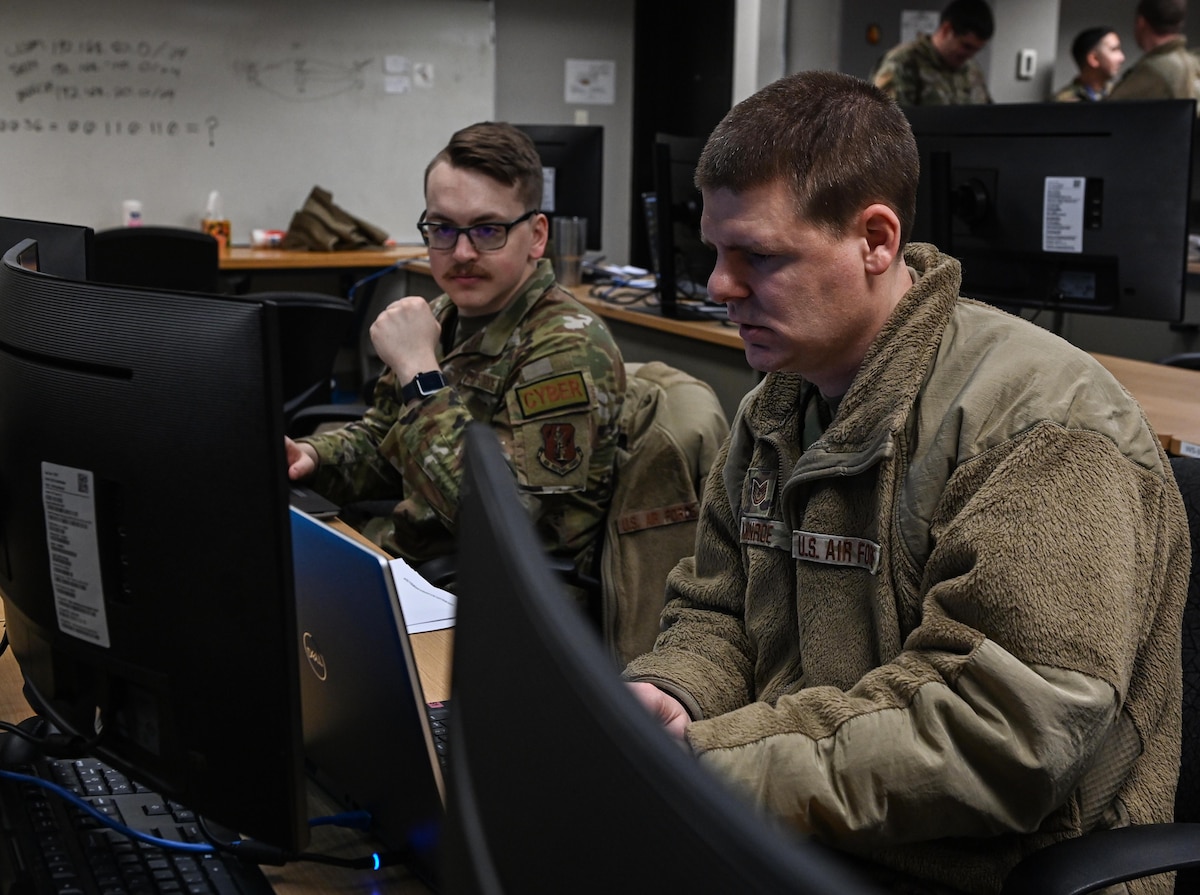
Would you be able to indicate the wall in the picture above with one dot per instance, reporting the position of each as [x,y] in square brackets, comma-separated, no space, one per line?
[164,102]
[534,38]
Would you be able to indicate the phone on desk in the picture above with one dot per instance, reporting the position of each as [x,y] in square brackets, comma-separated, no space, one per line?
[311,502]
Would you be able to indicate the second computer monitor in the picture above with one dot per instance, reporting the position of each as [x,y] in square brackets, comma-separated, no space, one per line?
[1079,207]
[573,163]
[64,250]
[559,780]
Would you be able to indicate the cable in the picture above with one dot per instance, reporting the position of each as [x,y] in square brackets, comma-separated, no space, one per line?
[245,849]
[262,853]
[370,278]
[202,848]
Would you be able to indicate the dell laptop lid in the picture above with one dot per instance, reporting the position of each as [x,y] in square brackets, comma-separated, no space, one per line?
[367,737]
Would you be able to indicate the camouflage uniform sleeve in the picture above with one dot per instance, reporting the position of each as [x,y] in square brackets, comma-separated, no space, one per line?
[896,76]
[978,90]
[557,419]
[351,466]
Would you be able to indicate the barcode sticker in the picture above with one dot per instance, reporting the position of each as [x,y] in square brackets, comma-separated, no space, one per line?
[70,510]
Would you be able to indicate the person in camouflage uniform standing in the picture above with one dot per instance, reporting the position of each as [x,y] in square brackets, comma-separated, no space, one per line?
[1097,52]
[506,345]
[939,69]
[1168,70]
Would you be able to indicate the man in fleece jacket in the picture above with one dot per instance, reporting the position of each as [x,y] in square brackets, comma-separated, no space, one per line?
[934,613]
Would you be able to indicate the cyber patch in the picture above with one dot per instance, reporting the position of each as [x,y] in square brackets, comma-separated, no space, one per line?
[558,393]
[559,452]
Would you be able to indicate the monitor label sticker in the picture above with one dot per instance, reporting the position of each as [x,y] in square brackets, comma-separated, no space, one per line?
[1062,214]
[69,505]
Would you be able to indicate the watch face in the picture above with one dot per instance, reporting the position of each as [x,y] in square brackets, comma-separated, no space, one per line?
[423,385]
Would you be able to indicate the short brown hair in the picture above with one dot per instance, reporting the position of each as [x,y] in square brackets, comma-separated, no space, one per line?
[500,151]
[1163,16]
[838,142]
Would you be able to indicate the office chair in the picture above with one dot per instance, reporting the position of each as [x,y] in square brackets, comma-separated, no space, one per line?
[158,257]
[311,328]
[1107,857]
[1189,360]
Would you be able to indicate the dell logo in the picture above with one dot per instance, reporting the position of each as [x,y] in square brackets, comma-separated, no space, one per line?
[315,660]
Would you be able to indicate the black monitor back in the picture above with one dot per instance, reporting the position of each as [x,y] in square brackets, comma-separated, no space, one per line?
[145,545]
[559,781]
[1001,184]
[573,155]
[64,250]
[683,262]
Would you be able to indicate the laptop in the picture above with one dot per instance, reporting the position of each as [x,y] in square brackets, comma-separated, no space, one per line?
[368,740]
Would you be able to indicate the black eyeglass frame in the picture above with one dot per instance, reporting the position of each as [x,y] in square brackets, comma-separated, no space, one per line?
[424,226]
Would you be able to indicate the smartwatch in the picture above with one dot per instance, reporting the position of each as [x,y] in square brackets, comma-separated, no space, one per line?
[422,386]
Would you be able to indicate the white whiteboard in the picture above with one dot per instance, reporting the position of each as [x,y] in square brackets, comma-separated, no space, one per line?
[164,101]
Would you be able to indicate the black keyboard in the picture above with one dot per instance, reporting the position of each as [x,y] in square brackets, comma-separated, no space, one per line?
[51,846]
[439,712]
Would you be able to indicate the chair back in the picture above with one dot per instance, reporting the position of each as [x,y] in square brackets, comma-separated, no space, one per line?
[672,426]
[311,328]
[1189,360]
[157,257]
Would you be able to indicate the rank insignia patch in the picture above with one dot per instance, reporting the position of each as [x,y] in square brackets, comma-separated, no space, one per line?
[759,494]
[558,452]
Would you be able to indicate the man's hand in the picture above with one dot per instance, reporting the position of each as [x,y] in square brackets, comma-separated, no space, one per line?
[301,459]
[405,336]
[663,706]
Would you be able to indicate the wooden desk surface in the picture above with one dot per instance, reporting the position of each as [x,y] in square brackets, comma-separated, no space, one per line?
[244,258]
[1170,396]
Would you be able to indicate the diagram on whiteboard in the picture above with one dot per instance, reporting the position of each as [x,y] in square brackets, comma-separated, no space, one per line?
[302,79]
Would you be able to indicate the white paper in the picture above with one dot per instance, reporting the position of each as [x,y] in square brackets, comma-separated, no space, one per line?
[591,81]
[425,607]
[1062,214]
[918,21]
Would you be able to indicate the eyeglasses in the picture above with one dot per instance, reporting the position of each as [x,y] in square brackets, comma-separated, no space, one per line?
[489,237]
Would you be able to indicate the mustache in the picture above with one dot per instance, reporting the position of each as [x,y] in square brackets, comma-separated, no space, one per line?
[466,270]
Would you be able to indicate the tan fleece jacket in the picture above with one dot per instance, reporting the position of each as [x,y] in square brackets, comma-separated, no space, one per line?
[947,633]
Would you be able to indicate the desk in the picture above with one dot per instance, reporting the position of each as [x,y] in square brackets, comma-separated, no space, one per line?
[247,259]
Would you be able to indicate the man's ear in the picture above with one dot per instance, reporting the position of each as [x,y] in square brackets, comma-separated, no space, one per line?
[880,228]
[541,234]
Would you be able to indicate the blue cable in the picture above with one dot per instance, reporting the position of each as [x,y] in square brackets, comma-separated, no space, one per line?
[194,847]
[375,276]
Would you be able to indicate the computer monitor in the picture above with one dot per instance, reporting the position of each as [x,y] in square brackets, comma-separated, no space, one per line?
[1078,207]
[64,250]
[573,163]
[682,262]
[558,779]
[145,546]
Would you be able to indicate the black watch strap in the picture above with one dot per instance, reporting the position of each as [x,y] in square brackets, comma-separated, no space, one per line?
[422,386]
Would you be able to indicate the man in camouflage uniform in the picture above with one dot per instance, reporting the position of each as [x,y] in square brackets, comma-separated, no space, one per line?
[1168,70]
[939,69]
[505,344]
[1097,52]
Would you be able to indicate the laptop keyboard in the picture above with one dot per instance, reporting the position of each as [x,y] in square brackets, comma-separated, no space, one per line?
[51,846]
[438,714]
